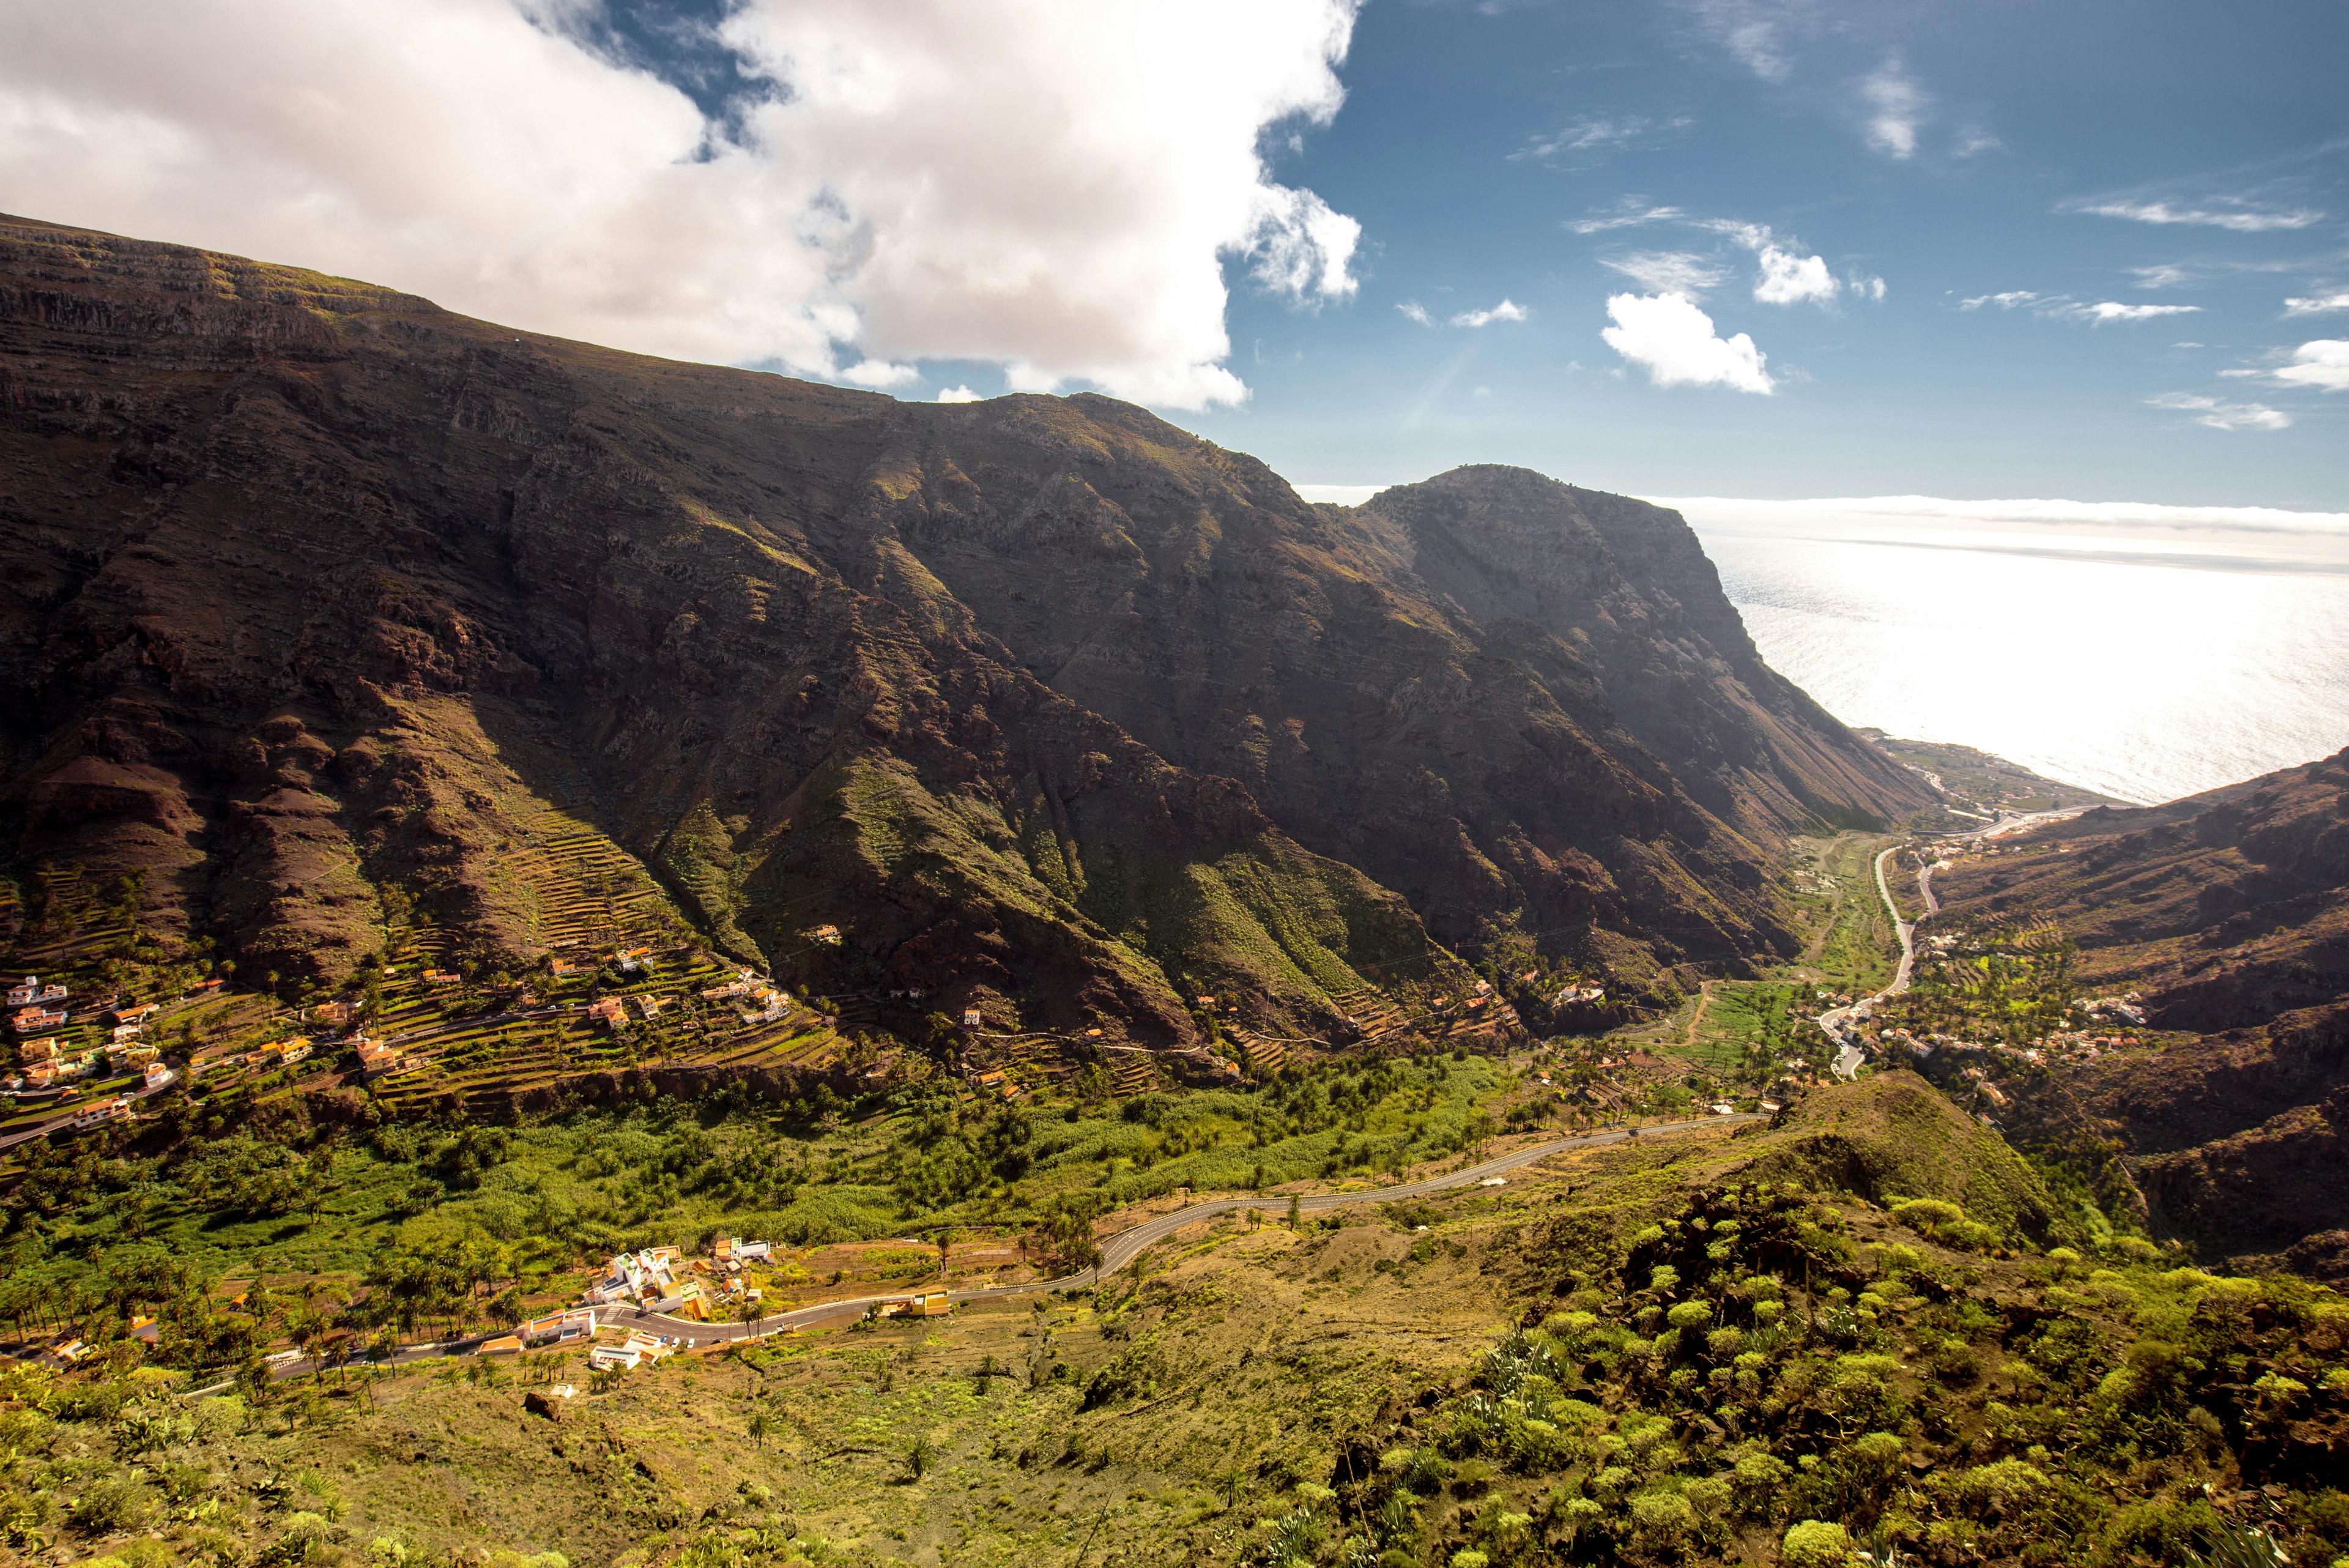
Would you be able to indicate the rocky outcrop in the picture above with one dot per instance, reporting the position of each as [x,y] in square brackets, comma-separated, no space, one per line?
[318,595]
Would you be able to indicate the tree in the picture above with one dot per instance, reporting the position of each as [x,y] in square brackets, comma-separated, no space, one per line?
[921,1457]
[1296,1210]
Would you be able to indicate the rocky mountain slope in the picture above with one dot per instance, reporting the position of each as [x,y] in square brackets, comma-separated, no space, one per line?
[318,595]
[2230,911]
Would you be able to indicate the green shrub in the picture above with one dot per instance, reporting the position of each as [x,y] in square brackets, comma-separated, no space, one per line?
[1689,1315]
[113,1506]
[1816,1544]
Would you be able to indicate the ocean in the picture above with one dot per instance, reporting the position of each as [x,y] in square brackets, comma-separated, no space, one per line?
[2147,652]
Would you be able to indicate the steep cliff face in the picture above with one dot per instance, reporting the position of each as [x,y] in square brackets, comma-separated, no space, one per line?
[316,595]
[2230,911]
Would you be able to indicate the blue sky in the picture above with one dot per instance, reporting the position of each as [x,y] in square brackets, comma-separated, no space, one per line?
[1473,140]
[1745,248]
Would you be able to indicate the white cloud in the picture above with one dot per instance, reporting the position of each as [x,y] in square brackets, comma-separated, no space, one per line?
[2163,274]
[1867,287]
[2063,307]
[1668,272]
[1415,311]
[1787,277]
[1760,33]
[958,394]
[1674,341]
[879,373]
[1595,133]
[2135,514]
[1789,280]
[1895,106]
[2323,364]
[2113,310]
[1302,246]
[2319,305]
[2238,214]
[1339,494]
[1625,215]
[2223,416]
[1973,143]
[1054,186]
[1507,310]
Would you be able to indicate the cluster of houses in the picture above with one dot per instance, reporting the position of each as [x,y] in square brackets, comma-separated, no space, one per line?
[662,1280]
[759,1002]
[48,1061]
[276,1053]
[30,1009]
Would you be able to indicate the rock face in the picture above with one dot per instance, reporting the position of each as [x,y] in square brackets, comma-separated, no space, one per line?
[319,596]
[2231,913]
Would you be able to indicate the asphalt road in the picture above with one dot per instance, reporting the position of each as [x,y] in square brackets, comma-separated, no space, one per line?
[1848,1055]
[43,1129]
[1125,1246]
[1116,1252]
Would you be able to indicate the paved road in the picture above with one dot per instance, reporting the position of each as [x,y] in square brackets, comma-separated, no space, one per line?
[1116,1252]
[1125,1246]
[1848,1057]
[43,1129]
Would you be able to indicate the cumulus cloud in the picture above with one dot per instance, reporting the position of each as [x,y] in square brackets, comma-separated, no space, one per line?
[1669,272]
[1507,310]
[1867,287]
[1894,106]
[1415,311]
[1790,279]
[879,373]
[958,394]
[2323,364]
[2223,416]
[2318,304]
[1053,186]
[2242,214]
[1629,214]
[1675,343]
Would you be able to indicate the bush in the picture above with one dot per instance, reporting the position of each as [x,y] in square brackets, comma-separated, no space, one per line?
[1689,1315]
[1815,1544]
[114,1505]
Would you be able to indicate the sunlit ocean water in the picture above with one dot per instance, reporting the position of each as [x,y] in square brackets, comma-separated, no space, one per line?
[2144,679]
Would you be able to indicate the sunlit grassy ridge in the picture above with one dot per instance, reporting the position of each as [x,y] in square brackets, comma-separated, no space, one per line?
[1672,1352]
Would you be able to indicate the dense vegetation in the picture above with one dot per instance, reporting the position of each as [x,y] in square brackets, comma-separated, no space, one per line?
[103,1229]
[1871,1330]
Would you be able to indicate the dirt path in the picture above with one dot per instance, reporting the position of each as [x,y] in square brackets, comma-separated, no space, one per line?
[1696,1019]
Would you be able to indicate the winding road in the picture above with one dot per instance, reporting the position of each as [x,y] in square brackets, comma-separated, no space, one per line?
[1116,1252]
[1847,1059]
[1849,1056]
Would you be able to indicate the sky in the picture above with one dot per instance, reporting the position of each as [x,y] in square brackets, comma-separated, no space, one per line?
[1760,249]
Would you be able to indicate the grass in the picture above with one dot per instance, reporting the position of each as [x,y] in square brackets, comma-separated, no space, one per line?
[1670,1351]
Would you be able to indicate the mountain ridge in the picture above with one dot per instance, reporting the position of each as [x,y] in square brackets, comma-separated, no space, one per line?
[318,590]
